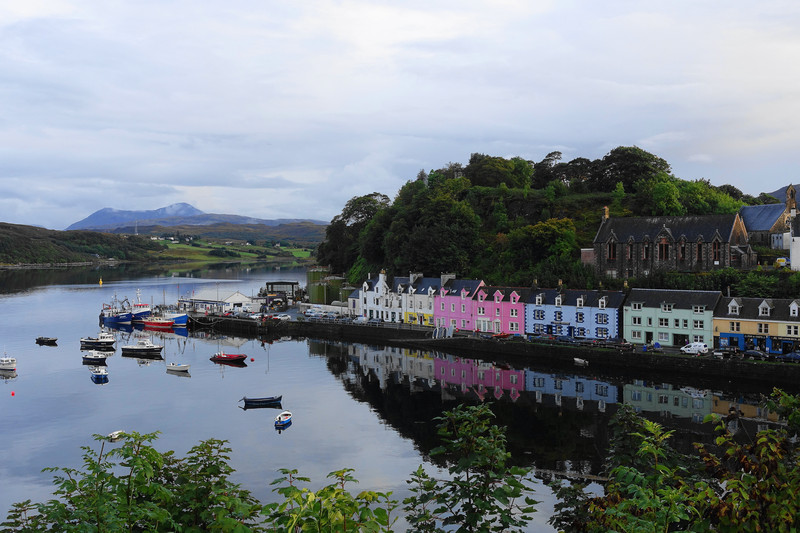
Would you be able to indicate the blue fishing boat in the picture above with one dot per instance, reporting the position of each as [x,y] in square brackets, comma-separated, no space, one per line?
[116,313]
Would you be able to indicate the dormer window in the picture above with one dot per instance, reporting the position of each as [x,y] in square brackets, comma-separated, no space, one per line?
[667,308]
[602,303]
[497,298]
[698,308]
[793,310]
[636,306]
[763,310]
[538,299]
[514,299]
[558,301]
[579,303]
[733,309]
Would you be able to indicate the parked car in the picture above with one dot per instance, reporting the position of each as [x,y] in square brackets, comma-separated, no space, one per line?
[282,317]
[360,320]
[375,321]
[791,357]
[695,348]
[756,355]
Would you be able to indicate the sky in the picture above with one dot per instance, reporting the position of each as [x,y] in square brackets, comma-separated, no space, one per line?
[289,109]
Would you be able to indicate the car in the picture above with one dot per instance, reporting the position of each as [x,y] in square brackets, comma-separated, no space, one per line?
[755,355]
[791,357]
[566,339]
[282,317]
[360,320]
[375,321]
[695,348]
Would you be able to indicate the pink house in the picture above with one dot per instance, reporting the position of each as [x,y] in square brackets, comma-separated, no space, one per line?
[453,304]
[500,309]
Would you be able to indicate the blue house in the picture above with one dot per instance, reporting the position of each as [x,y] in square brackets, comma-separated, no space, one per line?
[578,313]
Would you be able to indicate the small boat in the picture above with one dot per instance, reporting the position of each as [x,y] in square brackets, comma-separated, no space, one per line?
[177,367]
[283,420]
[143,348]
[99,375]
[8,363]
[103,341]
[267,401]
[94,357]
[46,341]
[157,322]
[222,357]
[580,362]
[114,436]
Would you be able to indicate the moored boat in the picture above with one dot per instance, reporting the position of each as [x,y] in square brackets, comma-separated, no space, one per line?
[103,341]
[266,401]
[94,357]
[222,357]
[142,348]
[139,309]
[283,420]
[99,375]
[177,367]
[157,322]
[8,363]
[116,313]
[47,341]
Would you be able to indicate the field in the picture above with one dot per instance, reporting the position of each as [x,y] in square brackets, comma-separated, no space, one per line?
[204,250]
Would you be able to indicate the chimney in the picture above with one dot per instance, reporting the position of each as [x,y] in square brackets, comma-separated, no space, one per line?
[446,277]
[413,277]
[605,213]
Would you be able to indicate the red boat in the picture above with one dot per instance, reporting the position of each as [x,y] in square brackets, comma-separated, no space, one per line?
[222,357]
[158,322]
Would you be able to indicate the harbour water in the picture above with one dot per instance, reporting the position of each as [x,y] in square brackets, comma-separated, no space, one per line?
[365,407]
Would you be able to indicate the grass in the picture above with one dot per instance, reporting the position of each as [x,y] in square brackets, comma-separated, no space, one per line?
[201,253]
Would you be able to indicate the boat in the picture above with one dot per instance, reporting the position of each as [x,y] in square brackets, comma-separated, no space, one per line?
[116,313]
[179,319]
[103,341]
[157,322]
[139,309]
[8,363]
[46,341]
[267,401]
[222,357]
[114,436]
[177,367]
[580,362]
[94,357]
[283,420]
[143,348]
[99,375]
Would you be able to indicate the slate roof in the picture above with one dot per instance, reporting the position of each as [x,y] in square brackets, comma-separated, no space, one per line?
[455,286]
[690,227]
[678,299]
[748,309]
[569,297]
[761,217]
[523,293]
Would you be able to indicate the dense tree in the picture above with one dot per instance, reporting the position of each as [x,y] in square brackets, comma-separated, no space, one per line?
[543,171]
[489,171]
[627,165]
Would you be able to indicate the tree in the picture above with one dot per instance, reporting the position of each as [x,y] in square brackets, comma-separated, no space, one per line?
[488,171]
[626,164]
[483,490]
[543,170]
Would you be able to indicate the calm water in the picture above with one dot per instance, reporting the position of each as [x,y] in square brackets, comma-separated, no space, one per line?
[363,407]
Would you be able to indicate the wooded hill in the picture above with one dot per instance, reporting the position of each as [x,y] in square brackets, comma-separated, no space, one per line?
[300,233]
[512,221]
[32,245]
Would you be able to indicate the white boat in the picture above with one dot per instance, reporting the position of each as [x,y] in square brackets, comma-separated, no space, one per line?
[99,374]
[143,348]
[8,363]
[95,357]
[139,309]
[580,362]
[177,367]
[114,436]
[104,339]
[283,419]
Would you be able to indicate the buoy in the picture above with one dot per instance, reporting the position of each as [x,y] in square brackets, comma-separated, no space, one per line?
[252,359]
[12,393]
[101,281]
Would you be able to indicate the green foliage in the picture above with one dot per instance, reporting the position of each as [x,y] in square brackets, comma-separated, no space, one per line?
[332,508]
[483,491]
[133,487]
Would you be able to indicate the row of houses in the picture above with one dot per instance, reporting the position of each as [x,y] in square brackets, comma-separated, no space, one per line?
[640,316]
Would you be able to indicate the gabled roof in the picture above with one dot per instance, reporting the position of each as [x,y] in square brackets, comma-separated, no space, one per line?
[455,286]
[748,309]
[522,292]
[691,228]
[761,217]
[422,285]
[678,299]
[569,297]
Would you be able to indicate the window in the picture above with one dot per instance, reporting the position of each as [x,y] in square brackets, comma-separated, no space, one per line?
[579,386]
[793,310]
[663,322]
[538,382]
[715,250]
[602,318]
[698,308]
[463,308]
[602,333]
[676,323]
[630,251]
[579,302]
[636,396]
[612,251]
[663,251]
[792,330]
[601,390]
[452,308]
[763,310]
[763,328]
[513,326]
[512,312]
[636,306]
[601,304]
[558,301]
[646,251]
[497,311]
[682,251]
[733,309]
[736,326]
[558,385]
[699,251]
[636,335]
[698,338]
[636,320]
[463,323]
[579,317]
[538,299]
[557,316]
[698,324]
[481,311]
[663,399]
[667,308]
[649,321]
[663,336]
[512,379]
[538,314]
[538,329]
[685,323]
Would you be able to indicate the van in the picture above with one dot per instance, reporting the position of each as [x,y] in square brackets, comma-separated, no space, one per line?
[695,348]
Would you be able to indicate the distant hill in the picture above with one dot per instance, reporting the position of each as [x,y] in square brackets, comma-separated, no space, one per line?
[182,214]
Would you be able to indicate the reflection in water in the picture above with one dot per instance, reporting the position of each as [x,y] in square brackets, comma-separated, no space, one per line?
[557,423]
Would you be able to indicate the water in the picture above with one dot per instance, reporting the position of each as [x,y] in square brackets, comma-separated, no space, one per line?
[355,406]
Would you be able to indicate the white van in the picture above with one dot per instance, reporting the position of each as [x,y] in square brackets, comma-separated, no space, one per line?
[695,348]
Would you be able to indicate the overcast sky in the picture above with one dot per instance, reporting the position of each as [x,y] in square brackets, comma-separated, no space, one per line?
[288,109]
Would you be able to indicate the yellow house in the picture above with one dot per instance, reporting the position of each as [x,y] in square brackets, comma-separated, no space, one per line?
[768,324]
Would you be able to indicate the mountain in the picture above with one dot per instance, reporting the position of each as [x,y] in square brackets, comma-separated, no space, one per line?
[181,214]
